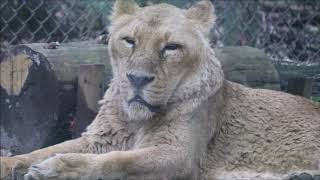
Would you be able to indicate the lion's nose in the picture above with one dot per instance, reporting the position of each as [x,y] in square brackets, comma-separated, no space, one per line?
[138,81]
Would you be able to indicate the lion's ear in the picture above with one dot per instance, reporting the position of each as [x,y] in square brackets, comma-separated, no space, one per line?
[203,13]
[124,7]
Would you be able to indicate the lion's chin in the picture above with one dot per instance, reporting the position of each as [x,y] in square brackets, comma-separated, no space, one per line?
[138,112]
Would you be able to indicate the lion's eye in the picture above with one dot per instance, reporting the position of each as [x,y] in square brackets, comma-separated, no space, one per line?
[130,42]
[172,47]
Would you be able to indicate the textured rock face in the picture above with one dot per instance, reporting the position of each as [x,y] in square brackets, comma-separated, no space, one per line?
[29,100]
[248,66]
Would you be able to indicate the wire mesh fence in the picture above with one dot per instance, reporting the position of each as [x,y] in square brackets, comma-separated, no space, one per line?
[288,30]
[50,20]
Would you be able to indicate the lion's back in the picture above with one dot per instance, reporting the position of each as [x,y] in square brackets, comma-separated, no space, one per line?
[266,130]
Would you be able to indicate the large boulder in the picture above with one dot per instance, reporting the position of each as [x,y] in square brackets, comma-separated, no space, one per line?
[248,66]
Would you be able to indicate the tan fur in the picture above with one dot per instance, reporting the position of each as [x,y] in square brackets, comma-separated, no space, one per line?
[206,127]
[265,133]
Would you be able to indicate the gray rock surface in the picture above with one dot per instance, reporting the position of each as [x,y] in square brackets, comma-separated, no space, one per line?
[248,66]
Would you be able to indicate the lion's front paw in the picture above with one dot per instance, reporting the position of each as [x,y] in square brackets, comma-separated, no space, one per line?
[60,167]
[37,172]
[12,168]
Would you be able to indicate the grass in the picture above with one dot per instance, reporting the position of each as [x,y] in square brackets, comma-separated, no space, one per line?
[316,98]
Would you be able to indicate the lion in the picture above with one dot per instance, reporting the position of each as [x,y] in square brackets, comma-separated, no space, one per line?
[169,113]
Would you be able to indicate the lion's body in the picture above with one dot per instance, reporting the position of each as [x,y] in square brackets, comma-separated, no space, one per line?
[255,132]
[169,113]
[265,133]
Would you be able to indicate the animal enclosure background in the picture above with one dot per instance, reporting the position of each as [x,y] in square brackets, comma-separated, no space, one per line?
[264,44]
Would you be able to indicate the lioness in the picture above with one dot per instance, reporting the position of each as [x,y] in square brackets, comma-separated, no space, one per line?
[169,114]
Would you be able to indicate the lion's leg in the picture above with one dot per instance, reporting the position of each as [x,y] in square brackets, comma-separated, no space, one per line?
[17,166]
[150,163]
[72,146]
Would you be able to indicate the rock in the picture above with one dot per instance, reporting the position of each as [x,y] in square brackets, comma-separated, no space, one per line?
[248,66]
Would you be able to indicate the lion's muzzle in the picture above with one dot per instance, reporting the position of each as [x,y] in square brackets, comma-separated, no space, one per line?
[138,99]
[138,81]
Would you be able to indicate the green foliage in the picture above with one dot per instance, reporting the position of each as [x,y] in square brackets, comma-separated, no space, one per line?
[316,98]
[308,71]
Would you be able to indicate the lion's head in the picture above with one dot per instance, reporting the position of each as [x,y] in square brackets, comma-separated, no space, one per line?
[161,55]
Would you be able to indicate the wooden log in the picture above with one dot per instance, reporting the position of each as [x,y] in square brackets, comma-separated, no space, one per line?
[90,84]
[254,66]
[29,100]
[72,66]
[64,62]
[83,66]
[91,88]
[300,86]
[66,58]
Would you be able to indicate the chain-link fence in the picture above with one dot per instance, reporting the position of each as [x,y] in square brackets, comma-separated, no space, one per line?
[25,21]
[288,30]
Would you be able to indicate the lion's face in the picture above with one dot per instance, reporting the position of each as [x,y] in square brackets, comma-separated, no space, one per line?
[154,51]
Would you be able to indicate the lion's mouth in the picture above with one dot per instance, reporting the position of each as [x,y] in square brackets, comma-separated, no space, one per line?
[138,99]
